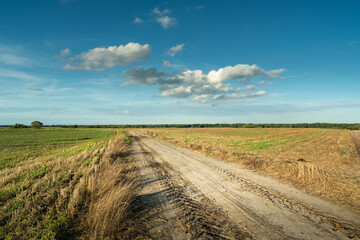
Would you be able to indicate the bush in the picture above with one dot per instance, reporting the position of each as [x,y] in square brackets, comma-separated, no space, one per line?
[37,124]
[19,125]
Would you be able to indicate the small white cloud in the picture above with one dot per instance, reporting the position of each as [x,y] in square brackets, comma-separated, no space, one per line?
[307,73]
[159,12]
[247,88]
[122,112]
[65,52]
[137,20]
[166,21]
[176,49]
[264,83]
[353,42]
[100,58]
[167,63]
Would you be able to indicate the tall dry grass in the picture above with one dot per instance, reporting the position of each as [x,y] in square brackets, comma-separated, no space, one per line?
[111,187]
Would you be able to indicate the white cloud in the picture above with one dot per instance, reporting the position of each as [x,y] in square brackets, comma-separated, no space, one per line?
[167,63]
[242,72]
[179,92]
[18,75]
[204,87]
[239,95]
[122,112]
[100,58]
[166,21]
[65,52]
[264,83]
[12,59]
[140,76]
[137,20]
[353,42]
[174,50]
[248,87]
[159,12]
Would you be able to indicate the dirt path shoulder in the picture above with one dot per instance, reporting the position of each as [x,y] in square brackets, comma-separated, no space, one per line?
[191,196]
[356,135]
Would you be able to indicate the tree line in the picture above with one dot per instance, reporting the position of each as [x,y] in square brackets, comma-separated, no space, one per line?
[350,126]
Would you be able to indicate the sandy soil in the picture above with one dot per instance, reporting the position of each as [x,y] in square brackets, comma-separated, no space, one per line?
[186,195]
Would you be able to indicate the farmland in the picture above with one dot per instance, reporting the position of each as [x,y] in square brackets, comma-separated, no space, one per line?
[323,162]
[51,182]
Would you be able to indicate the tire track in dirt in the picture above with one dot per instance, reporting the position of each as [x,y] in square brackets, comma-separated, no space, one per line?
[168,208]
[251,204]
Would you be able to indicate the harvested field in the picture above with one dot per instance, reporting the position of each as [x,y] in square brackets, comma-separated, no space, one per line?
[57,183]
[323,162]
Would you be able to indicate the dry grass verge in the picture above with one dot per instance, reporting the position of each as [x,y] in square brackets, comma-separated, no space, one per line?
[112,186]
[85,195]
[321,162]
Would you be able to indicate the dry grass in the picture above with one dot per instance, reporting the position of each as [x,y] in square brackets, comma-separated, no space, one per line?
[321,161]
[84,195]
[112,186]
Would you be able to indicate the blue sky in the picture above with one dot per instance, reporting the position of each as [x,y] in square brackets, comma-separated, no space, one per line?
[147,62]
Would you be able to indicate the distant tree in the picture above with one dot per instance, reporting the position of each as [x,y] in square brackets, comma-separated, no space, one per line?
[18,125]
[37,124]
[248,125]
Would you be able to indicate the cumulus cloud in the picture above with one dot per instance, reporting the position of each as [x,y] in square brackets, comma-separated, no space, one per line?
[140,76]
[242,72]
[174,50]
[167,63]
[100,58]
[137,20]
[204,87]
[166,21]
[179,92]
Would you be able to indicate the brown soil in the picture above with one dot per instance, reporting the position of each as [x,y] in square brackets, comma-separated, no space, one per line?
[186,195]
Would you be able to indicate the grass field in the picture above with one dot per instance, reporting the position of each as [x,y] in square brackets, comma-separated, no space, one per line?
[323,162]
[60,182]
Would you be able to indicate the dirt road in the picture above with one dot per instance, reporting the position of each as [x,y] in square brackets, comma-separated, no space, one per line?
[186,195]
[356,135]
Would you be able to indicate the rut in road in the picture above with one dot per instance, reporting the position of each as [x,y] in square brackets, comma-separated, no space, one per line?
[200,197]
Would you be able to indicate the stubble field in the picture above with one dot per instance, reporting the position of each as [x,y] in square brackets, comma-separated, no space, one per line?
[57,183]
[323,162]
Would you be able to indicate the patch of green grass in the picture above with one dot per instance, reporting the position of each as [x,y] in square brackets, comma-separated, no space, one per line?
[21,145]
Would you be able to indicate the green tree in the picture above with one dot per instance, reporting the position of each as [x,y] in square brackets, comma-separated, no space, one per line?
[37,124]
[19,125]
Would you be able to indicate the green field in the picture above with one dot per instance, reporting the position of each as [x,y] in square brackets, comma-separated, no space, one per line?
[41,175]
